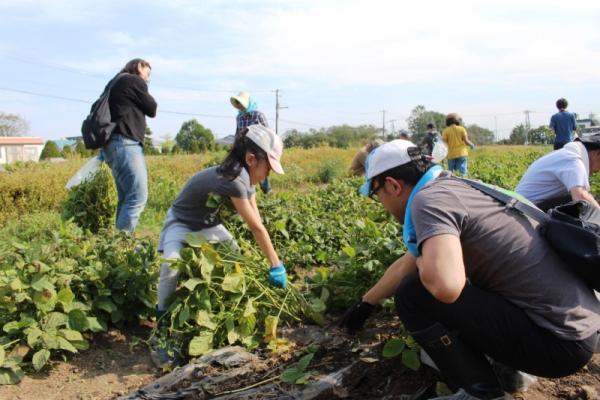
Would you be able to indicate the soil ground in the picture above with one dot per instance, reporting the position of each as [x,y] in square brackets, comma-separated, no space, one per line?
[110,369]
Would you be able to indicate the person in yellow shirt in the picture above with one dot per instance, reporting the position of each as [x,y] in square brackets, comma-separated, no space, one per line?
[457,139]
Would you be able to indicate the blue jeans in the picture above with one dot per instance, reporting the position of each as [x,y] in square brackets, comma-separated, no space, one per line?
[265,186]
[458,164]
[126,160]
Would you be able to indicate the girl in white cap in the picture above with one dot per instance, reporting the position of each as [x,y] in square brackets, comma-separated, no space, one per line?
[231,183]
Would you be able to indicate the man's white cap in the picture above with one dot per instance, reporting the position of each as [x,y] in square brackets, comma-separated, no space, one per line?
[387,156]
[267,139]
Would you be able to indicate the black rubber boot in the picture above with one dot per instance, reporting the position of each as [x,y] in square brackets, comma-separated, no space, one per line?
[461,367]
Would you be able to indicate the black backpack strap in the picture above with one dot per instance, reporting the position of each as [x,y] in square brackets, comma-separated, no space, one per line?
[510,201]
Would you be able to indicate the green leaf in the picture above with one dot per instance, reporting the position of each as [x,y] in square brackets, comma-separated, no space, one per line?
[201,344]
[249,309]
[50,341]
[232,335]
[270,328]
[55,320]
[191,284]
[78,321]
[393,348]
[317,305]
[45,300]
[42,283]
[70,335]
[11,327]
[64,344]
[233,283]
[349,251]
[33,337]
[291,374]
[116,315]
[304,361]
[65,295]
[247,325]
[81,344]
[16,285]
[2,354]
[410,358]
[105,304]
[206,269]
[40,359]
[94,325]
[203,318]
[213,200]
[304,378]
[194,239]
[11,376]
[184,315]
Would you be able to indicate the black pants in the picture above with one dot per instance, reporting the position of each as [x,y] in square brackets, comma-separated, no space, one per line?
[492,325]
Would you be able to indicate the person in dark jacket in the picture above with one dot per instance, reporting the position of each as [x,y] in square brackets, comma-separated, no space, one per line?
[130,103]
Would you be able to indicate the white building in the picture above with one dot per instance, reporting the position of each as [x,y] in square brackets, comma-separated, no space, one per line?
[13,149]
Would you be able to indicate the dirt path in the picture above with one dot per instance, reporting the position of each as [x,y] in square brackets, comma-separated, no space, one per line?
[110,370]
[107,370]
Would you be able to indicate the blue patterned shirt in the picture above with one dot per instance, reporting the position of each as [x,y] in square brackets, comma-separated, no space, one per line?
[250,118]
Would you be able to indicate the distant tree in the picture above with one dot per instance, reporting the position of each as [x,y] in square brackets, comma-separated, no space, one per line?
[50,150]
[193,132]
[420,117]
[81,150]
[167,143]
[68,151]
[518,135]
[176,149]
[480,135]
[541,135]
[13,125]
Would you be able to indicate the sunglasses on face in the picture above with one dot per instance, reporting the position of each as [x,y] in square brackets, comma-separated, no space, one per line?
[374,190]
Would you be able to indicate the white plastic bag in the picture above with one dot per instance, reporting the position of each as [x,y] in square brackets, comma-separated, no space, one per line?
[439,152]
[87,171]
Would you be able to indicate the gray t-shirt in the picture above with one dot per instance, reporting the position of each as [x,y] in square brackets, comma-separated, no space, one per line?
[504,252]
[191,206]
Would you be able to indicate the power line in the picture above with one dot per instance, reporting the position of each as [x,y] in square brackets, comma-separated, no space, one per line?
[65,68]
[90,102]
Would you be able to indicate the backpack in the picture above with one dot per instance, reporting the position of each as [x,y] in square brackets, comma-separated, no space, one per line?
[571,229]
[97,127]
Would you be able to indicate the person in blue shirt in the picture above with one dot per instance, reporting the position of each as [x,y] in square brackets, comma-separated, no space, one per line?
[563,124]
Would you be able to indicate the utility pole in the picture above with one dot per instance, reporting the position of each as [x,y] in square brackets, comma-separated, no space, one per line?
[277,108]
[527,126]
[383,126]
[393,127]
[495,128]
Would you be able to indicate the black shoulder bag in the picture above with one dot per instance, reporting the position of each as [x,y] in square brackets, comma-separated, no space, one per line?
[98,127]
[571,229]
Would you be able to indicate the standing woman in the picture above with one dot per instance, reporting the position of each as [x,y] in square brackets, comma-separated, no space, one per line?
[251,158]
[457,140]
[248,114]
[130,103]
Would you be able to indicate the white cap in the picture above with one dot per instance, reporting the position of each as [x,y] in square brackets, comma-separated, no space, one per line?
[387,156]
[267,139]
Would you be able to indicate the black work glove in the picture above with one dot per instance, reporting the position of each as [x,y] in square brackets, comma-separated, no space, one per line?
[354,318]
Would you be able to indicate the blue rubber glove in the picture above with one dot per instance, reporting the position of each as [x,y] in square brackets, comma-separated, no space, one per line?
[278,276]
[472,146]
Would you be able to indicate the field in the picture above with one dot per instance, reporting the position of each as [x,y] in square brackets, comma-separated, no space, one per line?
[76,307]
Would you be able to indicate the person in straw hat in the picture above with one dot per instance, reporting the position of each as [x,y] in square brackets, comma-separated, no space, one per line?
[248,114]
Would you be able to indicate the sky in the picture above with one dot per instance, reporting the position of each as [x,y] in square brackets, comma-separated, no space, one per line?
[334,62]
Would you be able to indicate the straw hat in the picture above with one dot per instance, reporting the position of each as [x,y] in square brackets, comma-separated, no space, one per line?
[243,98]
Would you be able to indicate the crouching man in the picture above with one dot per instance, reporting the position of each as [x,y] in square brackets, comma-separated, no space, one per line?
[478,280]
